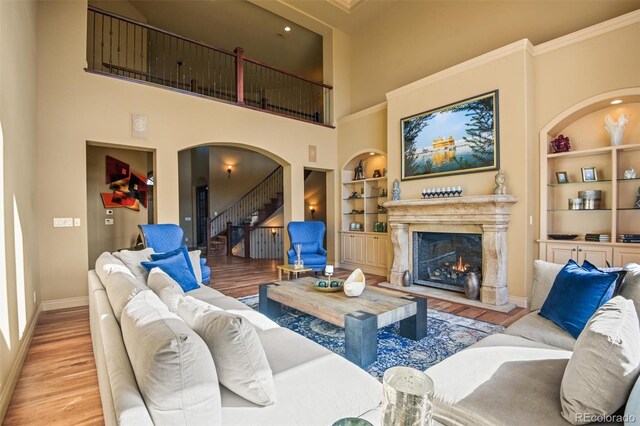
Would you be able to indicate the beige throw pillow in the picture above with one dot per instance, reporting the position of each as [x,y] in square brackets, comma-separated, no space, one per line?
[121,287]
[171,363]
[631,285]
[194,257]
[236,349]
[166,288]
[544,274]
[133,258]
[604,365]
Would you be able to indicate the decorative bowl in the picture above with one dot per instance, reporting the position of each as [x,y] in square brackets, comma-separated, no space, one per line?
[562,236]
[354,285]
[328,285]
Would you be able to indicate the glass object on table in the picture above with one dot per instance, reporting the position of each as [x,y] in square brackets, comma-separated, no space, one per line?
[298,264]
[408,395]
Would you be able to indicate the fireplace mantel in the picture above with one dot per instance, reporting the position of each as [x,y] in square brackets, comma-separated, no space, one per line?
[485,214]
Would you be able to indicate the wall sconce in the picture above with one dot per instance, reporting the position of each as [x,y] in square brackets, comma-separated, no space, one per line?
[313,211]
[229,170]
[273,234]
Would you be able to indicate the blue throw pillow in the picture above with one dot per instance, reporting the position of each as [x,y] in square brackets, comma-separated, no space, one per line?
[618,271]
[180,250]
[308,248]
[177,268]
[575,296]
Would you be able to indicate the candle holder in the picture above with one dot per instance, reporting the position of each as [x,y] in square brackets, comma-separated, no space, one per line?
[445,191]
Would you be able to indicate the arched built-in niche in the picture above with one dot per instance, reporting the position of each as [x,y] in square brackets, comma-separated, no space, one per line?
[591,148]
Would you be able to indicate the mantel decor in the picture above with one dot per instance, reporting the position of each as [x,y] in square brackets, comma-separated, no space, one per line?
[461,137]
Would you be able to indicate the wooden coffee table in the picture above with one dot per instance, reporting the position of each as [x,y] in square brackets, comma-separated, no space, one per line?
[289,269]
[361,316]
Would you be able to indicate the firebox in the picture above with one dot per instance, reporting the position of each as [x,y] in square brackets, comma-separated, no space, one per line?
[443,259]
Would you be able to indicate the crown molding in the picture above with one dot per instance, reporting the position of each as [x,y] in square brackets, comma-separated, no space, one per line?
[346,5]
[523,45]
[362,113]
[589,32]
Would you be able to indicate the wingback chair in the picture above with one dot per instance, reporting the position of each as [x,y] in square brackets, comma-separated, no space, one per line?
[166,237]
[311,236]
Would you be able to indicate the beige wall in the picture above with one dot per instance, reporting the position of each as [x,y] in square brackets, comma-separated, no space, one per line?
[77,107]
[124,231]
[419,38]
[19,177]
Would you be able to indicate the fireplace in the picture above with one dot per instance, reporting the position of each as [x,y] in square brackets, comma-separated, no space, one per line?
[443,259]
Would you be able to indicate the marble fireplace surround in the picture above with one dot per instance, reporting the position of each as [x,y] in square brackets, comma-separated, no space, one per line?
[478,214]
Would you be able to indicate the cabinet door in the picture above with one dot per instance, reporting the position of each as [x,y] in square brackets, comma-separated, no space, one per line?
[347,248]
[382,252]
[371,250]
[561,253]
[599,256]
[624,255]
[358,248]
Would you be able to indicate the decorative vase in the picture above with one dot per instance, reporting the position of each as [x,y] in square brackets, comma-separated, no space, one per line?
[471,286]
[615,128]
[354,285]
[630,173]
[298,264]
[408,395]
[406,279]
[561,144]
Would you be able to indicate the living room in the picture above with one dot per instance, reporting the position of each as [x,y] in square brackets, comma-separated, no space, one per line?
[550,61]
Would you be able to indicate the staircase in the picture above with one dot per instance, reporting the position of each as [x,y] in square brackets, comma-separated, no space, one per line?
[252,209]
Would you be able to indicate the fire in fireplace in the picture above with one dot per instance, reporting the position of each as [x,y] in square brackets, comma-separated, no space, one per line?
[443,260]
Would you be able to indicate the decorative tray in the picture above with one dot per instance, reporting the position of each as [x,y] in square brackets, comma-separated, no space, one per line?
[328,286]
[563,236]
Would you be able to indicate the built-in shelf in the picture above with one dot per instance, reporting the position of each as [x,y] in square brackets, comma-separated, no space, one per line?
[622,180]
[580,183]
[579,210]
[628,208]
[352,199]
[594,151]
[353,214]
[348,182]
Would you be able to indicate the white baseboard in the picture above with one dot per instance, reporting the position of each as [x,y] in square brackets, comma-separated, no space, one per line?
[71,302]
[14,374]
[522,302]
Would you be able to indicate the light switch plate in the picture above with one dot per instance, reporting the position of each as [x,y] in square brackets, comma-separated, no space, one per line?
[62,222]
[109,212]
[108,221]
[76,221]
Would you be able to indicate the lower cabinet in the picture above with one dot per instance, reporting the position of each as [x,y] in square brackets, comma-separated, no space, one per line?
[599,255]
[366,251]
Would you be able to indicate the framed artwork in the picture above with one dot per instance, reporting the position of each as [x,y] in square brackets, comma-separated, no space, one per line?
[589,174]
[457,138]
[562,177]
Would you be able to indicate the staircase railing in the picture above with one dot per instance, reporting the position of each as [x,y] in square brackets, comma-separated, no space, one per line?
[122,47]
[256,198]
[256,242]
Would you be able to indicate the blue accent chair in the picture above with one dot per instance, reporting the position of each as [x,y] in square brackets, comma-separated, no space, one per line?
[166,237]
[311,236]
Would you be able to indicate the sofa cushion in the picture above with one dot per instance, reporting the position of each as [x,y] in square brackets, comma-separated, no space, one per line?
[107,263]
[631,285]
[205,293]
[121,287]
[166,288]
[501,380]
[314,385]
[605,363]
[133,259]
[180,250]
[544,274]
[194,258]
[632,411]
[177,267]
[240,360]
[172,365]
[534,327]
[575,295]
[308,248]
[227,303]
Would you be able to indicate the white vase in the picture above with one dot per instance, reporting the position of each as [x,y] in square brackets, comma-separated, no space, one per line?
[354,285]
[616,128]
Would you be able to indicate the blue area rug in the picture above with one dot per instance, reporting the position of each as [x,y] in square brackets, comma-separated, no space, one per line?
[447,334]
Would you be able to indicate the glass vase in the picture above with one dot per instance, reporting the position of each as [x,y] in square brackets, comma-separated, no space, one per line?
[298,264]
[408,395]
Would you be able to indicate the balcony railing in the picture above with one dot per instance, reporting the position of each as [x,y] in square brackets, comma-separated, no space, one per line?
[133,50]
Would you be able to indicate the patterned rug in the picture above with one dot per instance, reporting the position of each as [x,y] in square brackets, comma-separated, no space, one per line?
[447,334]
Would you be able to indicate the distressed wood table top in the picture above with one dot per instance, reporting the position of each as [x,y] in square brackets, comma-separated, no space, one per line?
[388,306]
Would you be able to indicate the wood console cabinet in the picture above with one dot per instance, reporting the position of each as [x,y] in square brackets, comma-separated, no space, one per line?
[366,251]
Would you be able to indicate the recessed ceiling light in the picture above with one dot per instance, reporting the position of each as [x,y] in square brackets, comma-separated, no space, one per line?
[616,101]
[287,28]
[372,153]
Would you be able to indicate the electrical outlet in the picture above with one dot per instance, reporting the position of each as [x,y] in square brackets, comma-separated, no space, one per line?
[76,221]
[108,221]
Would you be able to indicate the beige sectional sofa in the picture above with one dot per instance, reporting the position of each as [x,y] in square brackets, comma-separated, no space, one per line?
[314,386]
[513,378]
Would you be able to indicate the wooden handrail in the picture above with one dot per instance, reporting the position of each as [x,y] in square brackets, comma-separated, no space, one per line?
[291,74]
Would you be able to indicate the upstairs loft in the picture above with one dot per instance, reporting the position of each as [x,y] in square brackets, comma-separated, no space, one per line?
[125,48]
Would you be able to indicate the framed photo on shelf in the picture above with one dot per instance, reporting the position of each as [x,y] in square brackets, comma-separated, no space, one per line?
[589,174]
[462,137]
[562,177]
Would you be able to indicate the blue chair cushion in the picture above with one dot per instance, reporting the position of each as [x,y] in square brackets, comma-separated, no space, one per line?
[178,268]
[180,250]
[575,296]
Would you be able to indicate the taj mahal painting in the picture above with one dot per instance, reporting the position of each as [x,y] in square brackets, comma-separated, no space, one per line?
[458,138]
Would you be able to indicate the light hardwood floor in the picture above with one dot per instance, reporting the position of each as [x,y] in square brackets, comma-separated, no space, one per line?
[58,383]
